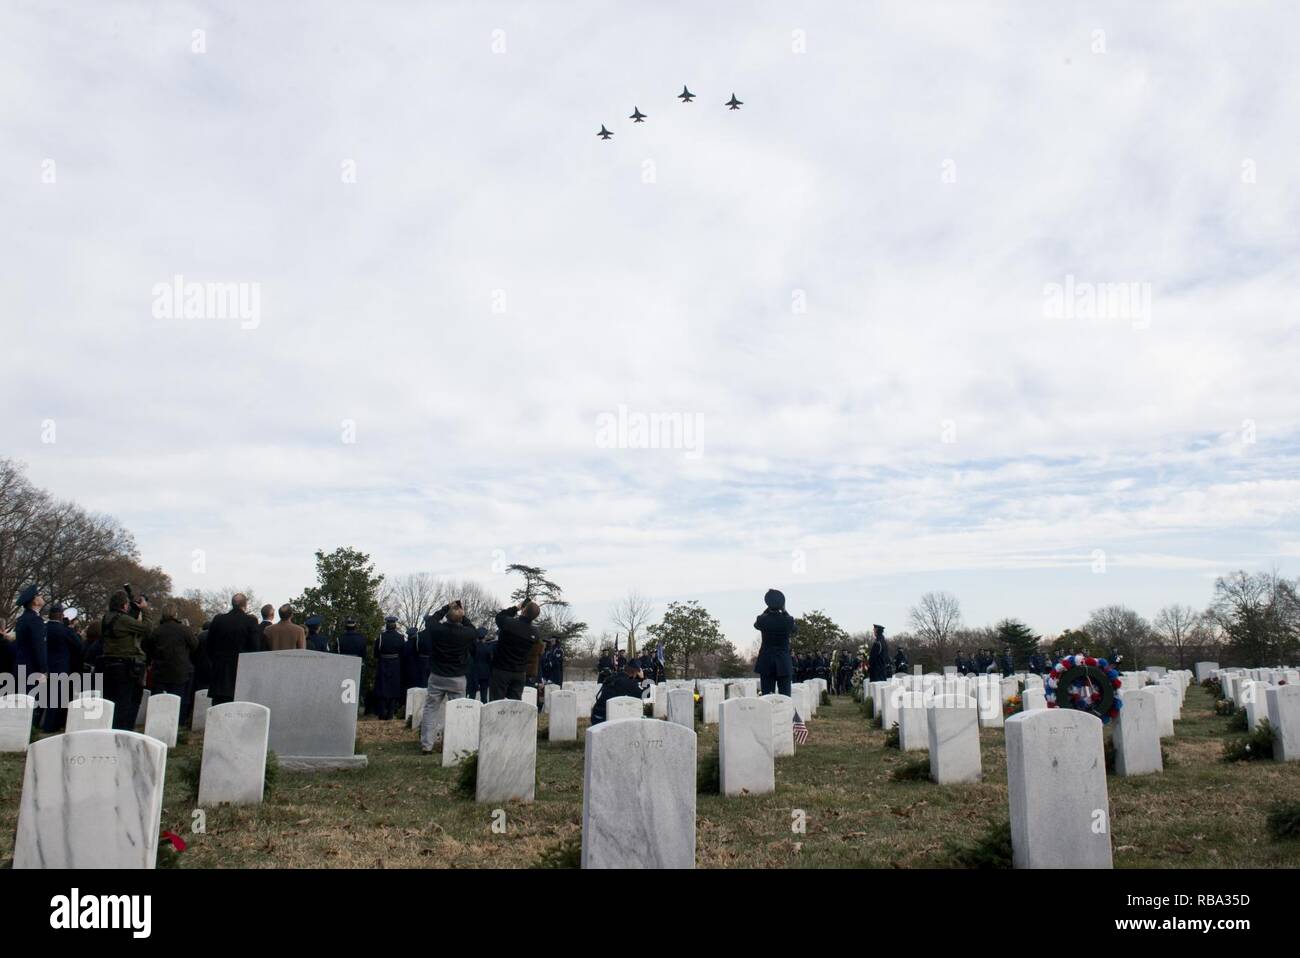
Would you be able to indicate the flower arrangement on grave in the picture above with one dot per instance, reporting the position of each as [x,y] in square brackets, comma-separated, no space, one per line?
[1085,683]
[1011,706]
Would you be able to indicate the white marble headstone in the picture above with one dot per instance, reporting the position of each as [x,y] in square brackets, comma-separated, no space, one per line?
[563,716]
[782,723]
[638,796]
[91,713]
[1056,790]
[711,694]
[164,718]
[681,707]
[91,800]
[234,754]
[1136,736]
[1283,702]
[460,732]
[202,702]
[507,752]
[623,707]
[954,739]
[745,760]
[16,713]
[142,713]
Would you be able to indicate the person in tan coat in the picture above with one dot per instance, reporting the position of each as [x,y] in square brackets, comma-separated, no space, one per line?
[285,634]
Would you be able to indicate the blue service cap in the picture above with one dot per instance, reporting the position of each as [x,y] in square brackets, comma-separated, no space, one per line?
[28,595]
[314,620]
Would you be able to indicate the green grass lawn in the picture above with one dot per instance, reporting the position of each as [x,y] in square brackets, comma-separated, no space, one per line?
[405,811]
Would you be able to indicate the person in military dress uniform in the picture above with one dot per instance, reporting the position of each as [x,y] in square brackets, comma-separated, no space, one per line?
[388,669]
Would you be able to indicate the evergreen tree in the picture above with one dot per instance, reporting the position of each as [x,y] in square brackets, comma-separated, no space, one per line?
[687,631]
[1017,636]
[346,585]
[817,633]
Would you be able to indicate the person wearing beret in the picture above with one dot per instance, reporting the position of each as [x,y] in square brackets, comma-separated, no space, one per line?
[351,642]
[316,641]
[777,627]
[388,669]
[63,650]
[878,664]
[31,656]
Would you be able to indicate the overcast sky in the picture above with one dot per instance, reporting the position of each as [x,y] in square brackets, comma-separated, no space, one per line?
[843,292]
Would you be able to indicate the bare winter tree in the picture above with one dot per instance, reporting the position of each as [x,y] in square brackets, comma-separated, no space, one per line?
[216,601]
[630,614]
[935,620]
[481,605]
[1118,628]
[412,596]
[1181,632]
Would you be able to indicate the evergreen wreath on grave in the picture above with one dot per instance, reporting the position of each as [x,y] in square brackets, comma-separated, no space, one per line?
[1089,685]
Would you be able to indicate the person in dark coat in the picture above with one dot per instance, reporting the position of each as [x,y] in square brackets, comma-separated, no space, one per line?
[31,655]
[450,637]
[8,662]
[124,630]
[230,635]
[901,662]
[352,642]
[388,669]
[171,651]
[878,656]
[777,627]
[1008,663]
[481,666]
[202,671]
[63,649]
[316,640]
[516,640]
[627,682]
[267,611]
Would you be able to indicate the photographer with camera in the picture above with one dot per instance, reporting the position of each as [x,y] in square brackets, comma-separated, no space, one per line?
[123,631]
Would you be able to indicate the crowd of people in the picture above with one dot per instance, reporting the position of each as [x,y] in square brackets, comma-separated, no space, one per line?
[55,653]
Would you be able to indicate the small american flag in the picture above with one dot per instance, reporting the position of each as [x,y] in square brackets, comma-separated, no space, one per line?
[800,730]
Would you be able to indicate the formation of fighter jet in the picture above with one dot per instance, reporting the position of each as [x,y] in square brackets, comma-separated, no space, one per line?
[686,96]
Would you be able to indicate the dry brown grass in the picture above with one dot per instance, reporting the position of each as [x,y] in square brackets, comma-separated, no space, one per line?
[403,811]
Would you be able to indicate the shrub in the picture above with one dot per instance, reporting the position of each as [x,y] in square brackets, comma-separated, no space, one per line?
[187,772]
[891,736]
[1284,821]
[1214,687]
[865,707]
[272,775]
[1237,721]
[566,853]
[1224,707]
[826,699]
[917,770]
[990,850]
[467,776]
[708,774]
[1256,746]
